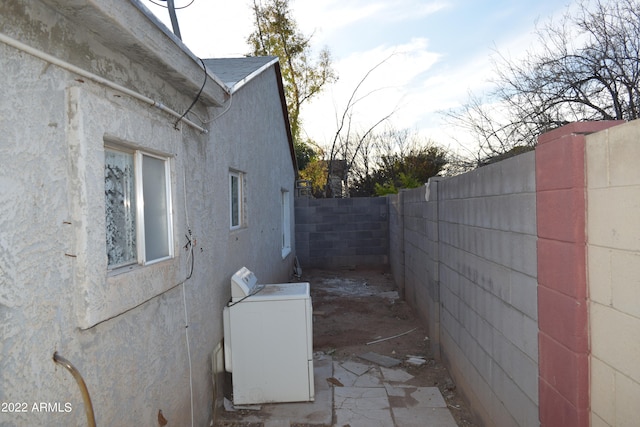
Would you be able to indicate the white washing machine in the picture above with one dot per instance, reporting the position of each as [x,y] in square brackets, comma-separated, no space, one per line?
[268,341]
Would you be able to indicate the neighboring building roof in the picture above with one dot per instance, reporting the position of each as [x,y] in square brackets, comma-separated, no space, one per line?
[235,72]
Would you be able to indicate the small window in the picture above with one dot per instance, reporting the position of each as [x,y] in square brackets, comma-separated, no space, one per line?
[235,200]
[286,222]
[137,208]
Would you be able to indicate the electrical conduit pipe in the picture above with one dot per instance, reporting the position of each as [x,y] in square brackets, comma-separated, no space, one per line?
[101,80]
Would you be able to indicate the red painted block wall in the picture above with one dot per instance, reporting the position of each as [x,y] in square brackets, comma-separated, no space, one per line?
[563,339]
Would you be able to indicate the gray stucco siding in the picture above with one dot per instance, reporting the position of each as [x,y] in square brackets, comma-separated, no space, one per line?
[124,330]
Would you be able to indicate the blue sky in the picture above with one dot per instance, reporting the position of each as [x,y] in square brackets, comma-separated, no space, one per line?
[438,52]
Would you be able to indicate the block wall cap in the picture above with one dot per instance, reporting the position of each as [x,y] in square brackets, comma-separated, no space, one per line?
[578,128]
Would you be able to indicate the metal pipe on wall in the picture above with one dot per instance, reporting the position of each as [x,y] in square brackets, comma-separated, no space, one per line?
[88,406]
[94,77]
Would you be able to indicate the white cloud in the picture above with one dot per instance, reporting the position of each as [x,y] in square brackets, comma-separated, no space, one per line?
[419,80]
[413,10]
[325,18]
[398,68]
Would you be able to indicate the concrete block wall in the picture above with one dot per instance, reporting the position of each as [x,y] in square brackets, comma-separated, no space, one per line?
[470,266]
[526,274]
[396,239]
[421,257]
[613,257]
[339,233]
[488,269]
[562,275]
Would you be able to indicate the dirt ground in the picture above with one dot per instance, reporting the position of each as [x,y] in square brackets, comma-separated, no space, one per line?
[355,307]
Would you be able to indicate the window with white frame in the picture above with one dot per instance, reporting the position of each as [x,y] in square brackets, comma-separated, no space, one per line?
[137,207]
[286,222]
[236,204]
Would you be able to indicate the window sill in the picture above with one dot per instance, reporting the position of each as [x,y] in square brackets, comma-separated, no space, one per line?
[122,270]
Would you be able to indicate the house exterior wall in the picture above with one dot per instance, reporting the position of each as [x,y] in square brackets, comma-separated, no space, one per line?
[251,138]
[613,257]
[124,331]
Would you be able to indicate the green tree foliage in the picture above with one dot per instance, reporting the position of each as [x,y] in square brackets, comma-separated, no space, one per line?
[276,34]
[389,187]
[305,153]
[397,171]
[316,173]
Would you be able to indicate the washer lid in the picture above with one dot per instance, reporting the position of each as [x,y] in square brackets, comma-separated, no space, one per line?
[280,292]
[243,283]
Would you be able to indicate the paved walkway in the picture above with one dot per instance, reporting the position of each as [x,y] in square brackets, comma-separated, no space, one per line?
[354,394]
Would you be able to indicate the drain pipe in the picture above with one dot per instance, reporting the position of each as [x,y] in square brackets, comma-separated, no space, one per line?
[101,80]
[88,407]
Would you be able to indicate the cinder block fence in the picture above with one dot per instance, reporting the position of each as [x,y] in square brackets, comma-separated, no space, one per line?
[526,273]
[469,268]
[342,233]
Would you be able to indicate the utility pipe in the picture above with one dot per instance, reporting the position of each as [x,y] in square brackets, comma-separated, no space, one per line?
[101,80]
[174,18]
[88,407]
[390,338]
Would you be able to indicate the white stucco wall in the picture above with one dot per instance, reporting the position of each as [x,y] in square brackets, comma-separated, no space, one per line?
[126,332]
[249,138]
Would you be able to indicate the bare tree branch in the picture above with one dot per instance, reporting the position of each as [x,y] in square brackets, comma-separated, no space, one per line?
[584,67]
[341,137]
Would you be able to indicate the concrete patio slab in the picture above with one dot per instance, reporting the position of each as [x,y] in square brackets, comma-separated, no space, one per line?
[395,375]
[409,396]
[378,397]
[362,406]
[346,377]
[418,406]
[379,359]
[371,378]
[421,417]
[355,367]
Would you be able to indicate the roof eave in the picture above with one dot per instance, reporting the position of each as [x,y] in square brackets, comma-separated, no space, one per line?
[285,115]
[145,39]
